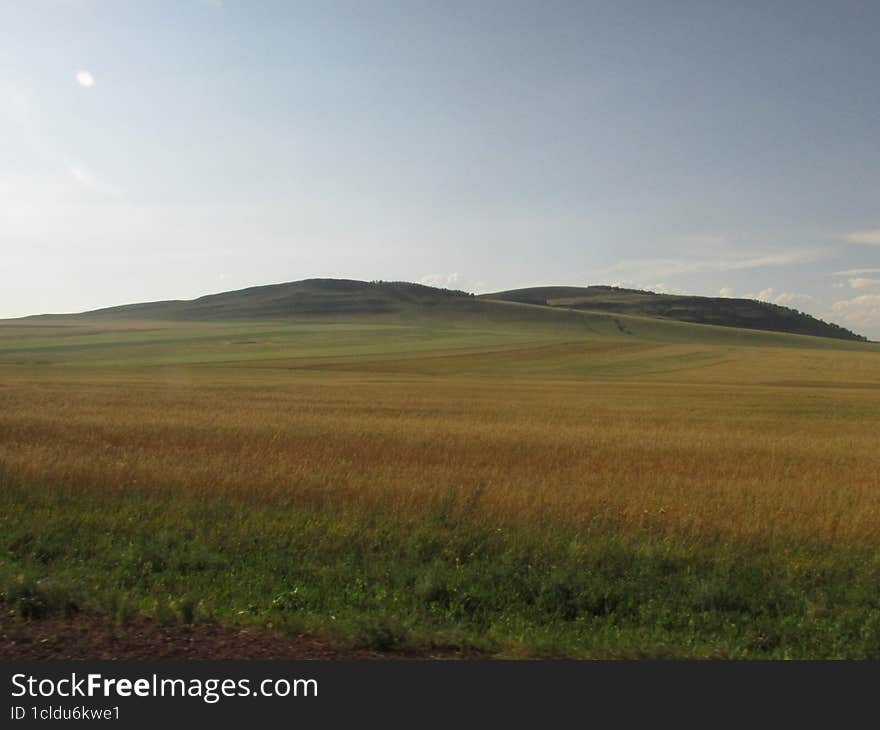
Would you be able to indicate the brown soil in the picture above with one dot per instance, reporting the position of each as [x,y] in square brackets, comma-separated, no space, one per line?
[92,636]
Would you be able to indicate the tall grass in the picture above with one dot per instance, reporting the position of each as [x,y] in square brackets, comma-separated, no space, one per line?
[741,461]
[442,579]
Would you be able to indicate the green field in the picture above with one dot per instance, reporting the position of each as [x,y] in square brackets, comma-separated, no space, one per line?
[445,472]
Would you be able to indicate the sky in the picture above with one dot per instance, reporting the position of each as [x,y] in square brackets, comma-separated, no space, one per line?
[158,150]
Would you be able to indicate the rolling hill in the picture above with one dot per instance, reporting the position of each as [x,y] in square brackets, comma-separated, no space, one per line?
[309,297]
[600,309]
[743,313]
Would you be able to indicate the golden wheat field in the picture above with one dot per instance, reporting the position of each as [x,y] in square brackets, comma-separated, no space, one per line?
[700,438]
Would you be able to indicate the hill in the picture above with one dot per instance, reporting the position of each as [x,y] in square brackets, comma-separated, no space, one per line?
[743,313]
[309,297]
[600,310]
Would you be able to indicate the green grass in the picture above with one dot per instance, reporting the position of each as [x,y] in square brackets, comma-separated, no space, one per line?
[85,343]
[404,404]
[441,579]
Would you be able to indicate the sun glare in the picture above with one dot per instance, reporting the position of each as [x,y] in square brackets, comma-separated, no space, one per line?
[84,78]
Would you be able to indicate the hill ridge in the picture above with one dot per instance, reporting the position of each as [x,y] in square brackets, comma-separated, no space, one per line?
[323,297]
[723,311]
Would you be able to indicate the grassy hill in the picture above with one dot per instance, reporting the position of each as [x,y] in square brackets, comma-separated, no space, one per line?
[747,313]
[557,311]
[389,327]
[310,297]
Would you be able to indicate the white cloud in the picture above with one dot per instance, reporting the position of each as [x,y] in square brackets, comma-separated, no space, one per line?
[662,288]
[649,268]
[856,272]
[861,283]
[726,292]
[765,295]
[84,78]
[450,281]
[788,298]
[659,287]
[863,311]
[785,298]
[81,174]
[868,238]
[87,180]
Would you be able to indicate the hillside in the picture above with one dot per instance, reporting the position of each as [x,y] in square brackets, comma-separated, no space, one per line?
[309,297]
[743,313]
[600,310]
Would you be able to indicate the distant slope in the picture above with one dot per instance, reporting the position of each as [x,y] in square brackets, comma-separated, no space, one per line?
[743,313]
[352,326]
[309,297]
[599,310]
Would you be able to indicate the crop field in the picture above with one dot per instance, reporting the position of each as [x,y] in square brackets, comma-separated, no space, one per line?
[602,486]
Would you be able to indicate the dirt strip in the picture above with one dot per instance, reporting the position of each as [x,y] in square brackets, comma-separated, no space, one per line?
[92,636]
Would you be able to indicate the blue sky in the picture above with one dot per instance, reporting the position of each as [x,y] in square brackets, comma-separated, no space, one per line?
[153,150]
